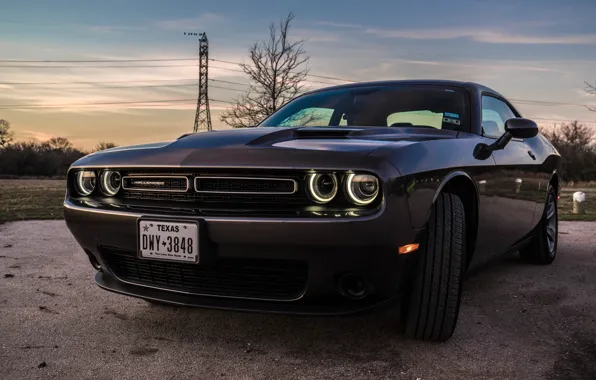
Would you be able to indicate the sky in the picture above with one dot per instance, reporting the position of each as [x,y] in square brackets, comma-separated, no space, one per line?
[541,51]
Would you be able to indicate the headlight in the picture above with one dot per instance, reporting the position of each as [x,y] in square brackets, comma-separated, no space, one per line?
[362,189]
[322,187]
[109,181]
[85,182]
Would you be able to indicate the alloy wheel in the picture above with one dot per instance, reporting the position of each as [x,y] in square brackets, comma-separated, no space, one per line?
[551,224]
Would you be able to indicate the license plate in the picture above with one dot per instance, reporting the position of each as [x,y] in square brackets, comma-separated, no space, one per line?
[175,241]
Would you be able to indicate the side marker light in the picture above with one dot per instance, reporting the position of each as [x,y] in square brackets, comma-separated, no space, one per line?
[405,249]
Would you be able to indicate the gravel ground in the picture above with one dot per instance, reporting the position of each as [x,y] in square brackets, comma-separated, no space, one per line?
[517,322]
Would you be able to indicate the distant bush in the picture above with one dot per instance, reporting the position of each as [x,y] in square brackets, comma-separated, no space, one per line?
[32,158]
[575,143]
[36,159]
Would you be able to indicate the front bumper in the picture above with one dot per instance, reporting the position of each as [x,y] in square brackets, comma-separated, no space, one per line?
[366,247]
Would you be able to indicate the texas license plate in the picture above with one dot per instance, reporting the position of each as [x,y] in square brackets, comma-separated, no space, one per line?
[175,241]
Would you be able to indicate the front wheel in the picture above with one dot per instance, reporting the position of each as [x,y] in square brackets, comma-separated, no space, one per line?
[542,249]
[432,307]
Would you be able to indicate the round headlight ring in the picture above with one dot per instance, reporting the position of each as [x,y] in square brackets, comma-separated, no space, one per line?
[85,182]
[362,189]
[110,182]
[322,187]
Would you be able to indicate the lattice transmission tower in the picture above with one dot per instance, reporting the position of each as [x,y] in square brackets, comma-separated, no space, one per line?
[203,114]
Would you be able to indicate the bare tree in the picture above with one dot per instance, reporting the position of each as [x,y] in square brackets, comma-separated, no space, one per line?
[591,89]
[575,143]
[6,135]
[102,145]
[60,143]
[276,74]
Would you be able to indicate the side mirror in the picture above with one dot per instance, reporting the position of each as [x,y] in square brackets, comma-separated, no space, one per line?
[518,128]
[521,128]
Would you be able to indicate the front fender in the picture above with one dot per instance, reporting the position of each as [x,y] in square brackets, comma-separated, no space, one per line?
[424,188]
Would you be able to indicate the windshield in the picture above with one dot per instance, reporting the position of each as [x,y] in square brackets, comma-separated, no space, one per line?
[376,106]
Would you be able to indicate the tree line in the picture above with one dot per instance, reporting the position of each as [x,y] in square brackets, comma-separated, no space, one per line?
[50,158]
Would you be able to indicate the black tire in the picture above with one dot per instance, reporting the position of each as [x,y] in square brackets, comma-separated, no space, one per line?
[542,249]
[432,307]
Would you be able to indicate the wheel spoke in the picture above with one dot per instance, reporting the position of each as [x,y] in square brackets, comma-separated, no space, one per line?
[551,224]
[550,213]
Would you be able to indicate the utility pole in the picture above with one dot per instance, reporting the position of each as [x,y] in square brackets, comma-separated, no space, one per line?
[203,114]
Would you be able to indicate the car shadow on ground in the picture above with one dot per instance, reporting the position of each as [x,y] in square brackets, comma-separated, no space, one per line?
[486,331]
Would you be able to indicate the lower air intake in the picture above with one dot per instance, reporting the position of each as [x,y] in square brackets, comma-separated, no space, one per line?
[280,280]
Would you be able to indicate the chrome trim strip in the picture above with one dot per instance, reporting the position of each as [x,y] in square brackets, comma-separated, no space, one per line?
[248,219]
[248,192]
[154,177]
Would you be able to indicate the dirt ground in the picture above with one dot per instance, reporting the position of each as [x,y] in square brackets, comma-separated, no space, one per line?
[517,321]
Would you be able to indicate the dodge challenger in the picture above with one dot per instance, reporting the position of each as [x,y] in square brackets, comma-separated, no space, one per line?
[346,199]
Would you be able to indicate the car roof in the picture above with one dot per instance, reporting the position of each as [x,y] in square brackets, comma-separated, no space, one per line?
[475,87]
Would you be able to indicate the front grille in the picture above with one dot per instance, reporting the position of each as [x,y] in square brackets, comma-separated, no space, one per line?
[245,185]
[219,190]
[155,183]
[281,280]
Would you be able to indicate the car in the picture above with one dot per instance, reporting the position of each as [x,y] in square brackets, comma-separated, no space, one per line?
[368,196]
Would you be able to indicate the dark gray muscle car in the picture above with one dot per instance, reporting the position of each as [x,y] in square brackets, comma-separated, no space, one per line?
[349,198]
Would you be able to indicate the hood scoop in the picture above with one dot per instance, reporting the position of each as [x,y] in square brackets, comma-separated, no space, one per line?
[321,132]
[299,133]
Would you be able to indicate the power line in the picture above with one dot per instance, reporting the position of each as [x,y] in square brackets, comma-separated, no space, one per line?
[135,60]
[88,66]
[312,75]
[145,86]
[564,120]
[155,101]
[98,82]
[97,60]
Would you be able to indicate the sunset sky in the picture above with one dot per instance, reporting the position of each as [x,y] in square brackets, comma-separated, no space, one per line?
[536,51]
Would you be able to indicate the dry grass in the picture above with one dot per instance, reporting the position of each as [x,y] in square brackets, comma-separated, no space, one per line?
[42,199]
[22,199]
[580,185]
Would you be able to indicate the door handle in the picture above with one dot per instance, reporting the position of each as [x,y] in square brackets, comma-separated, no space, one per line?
[532,155]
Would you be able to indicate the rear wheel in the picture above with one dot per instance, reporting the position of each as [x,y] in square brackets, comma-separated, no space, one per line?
[432,307]
[542,249]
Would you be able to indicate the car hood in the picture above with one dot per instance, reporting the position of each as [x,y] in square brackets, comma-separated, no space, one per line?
[265,147]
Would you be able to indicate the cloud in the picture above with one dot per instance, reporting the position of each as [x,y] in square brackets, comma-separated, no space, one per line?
[339,25]
[314,35]
[479,35]
[28,134]
[114,28]
[191,23]
[172,81]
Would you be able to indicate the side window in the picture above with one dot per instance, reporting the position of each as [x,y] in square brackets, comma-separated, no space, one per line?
[309,117]
[494,115]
